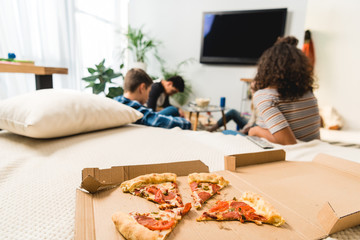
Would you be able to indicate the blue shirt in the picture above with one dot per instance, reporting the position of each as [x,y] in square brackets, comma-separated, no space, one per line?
[152,118]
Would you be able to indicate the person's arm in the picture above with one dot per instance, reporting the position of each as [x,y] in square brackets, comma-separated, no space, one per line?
[284,136]
[276,128]
[153,96]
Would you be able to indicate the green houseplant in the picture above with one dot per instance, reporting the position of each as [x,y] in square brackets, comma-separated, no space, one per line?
[182,97]
[100,77]
[141,45]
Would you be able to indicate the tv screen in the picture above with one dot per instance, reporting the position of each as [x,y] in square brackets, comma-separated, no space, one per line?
[240,37]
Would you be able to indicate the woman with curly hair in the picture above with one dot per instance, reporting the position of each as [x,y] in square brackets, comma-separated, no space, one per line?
[284,98]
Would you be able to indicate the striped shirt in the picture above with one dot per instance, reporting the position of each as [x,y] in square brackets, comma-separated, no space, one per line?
[152,118]
[301,115]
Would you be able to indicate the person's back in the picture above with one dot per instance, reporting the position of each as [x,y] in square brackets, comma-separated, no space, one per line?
[301,115]
[284,97]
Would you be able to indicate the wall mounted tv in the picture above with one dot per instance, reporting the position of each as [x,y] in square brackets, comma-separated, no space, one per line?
[240,37]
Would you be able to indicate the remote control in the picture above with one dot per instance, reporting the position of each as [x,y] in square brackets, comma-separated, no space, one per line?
[261,143]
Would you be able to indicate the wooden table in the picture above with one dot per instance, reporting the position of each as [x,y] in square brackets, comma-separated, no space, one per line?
[211,108]
[43,75]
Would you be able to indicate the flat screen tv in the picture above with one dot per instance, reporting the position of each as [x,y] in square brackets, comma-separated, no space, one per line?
[240,37]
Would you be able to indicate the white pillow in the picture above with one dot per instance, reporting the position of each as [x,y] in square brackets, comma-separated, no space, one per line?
[53,113]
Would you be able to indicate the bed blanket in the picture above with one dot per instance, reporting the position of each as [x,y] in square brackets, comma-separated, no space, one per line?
[38,178]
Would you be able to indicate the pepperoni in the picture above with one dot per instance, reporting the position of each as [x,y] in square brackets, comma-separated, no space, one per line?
[208,215]
[220,206]
[238,204]
[193,186]
[204,196]
[215,188]
[234,215]
[247,211]
[186,209]
[144,220]
[159,197]
[152,190]
[254,216]
[169,196]
[153,224]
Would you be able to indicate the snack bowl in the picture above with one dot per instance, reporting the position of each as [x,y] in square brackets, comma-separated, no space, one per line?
[202,102]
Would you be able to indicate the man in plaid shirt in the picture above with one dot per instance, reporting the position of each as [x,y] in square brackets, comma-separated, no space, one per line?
[137,85]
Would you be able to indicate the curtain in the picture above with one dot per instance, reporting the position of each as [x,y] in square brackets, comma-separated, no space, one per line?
[75,34]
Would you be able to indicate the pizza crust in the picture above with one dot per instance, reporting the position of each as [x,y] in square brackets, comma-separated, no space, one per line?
[131,229]
[263,208]
[130,185]
[207,177]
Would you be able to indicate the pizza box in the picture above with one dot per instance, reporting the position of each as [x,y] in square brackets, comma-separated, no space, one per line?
[315,198]
[102,197]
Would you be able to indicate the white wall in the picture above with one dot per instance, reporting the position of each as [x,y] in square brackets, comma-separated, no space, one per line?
[178,25]
[336,35]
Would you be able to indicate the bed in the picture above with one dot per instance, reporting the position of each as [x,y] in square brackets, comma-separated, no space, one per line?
[39,177]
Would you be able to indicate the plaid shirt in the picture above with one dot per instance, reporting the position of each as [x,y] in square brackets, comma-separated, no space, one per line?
[152,118]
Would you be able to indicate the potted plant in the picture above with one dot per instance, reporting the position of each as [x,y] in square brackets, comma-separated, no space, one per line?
[182,97]
[100,77]
[140,45]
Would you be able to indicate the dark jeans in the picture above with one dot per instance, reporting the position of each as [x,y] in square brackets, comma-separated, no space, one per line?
[170,111]
[234,115]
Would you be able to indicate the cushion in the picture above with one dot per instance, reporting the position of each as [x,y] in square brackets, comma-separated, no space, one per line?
[53,113]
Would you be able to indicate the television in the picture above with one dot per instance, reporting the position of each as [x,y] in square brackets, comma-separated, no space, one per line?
[240,37]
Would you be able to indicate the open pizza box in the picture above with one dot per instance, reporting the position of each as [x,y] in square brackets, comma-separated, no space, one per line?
[315,198]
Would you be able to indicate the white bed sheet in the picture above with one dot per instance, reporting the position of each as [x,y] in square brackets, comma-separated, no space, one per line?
[38,178]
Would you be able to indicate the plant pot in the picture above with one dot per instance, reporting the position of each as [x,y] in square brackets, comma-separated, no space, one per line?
[140,65]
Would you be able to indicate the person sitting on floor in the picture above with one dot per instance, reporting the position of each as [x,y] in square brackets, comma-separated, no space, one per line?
[160,92]
[137,85]
[243,123]
[284,98]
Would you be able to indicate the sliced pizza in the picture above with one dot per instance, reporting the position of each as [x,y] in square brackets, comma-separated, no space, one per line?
[204,186]
[160,188]
[149,226]
[251,207]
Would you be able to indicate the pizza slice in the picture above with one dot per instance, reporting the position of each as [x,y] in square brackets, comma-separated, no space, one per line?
[149,226]
[251,207]
[204,186]
[160,188]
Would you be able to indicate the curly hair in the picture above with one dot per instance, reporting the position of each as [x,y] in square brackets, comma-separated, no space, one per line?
[286,68]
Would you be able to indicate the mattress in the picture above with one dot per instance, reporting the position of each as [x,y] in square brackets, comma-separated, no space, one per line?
[38,178]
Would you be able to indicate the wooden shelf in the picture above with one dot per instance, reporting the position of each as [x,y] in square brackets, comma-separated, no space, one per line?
[38,70]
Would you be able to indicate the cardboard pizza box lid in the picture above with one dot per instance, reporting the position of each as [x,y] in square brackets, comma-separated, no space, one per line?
[324,192]
[95,179]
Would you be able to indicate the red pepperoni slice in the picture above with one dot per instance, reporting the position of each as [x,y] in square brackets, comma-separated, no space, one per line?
[159,197]
[186,209]
[215,188]
[144,220]
[220,207]
[153,224]
[254,216]
[204,196]
[238,204]
[152,189]
[247,211]
[169,196]
[235,215]
[193,186]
